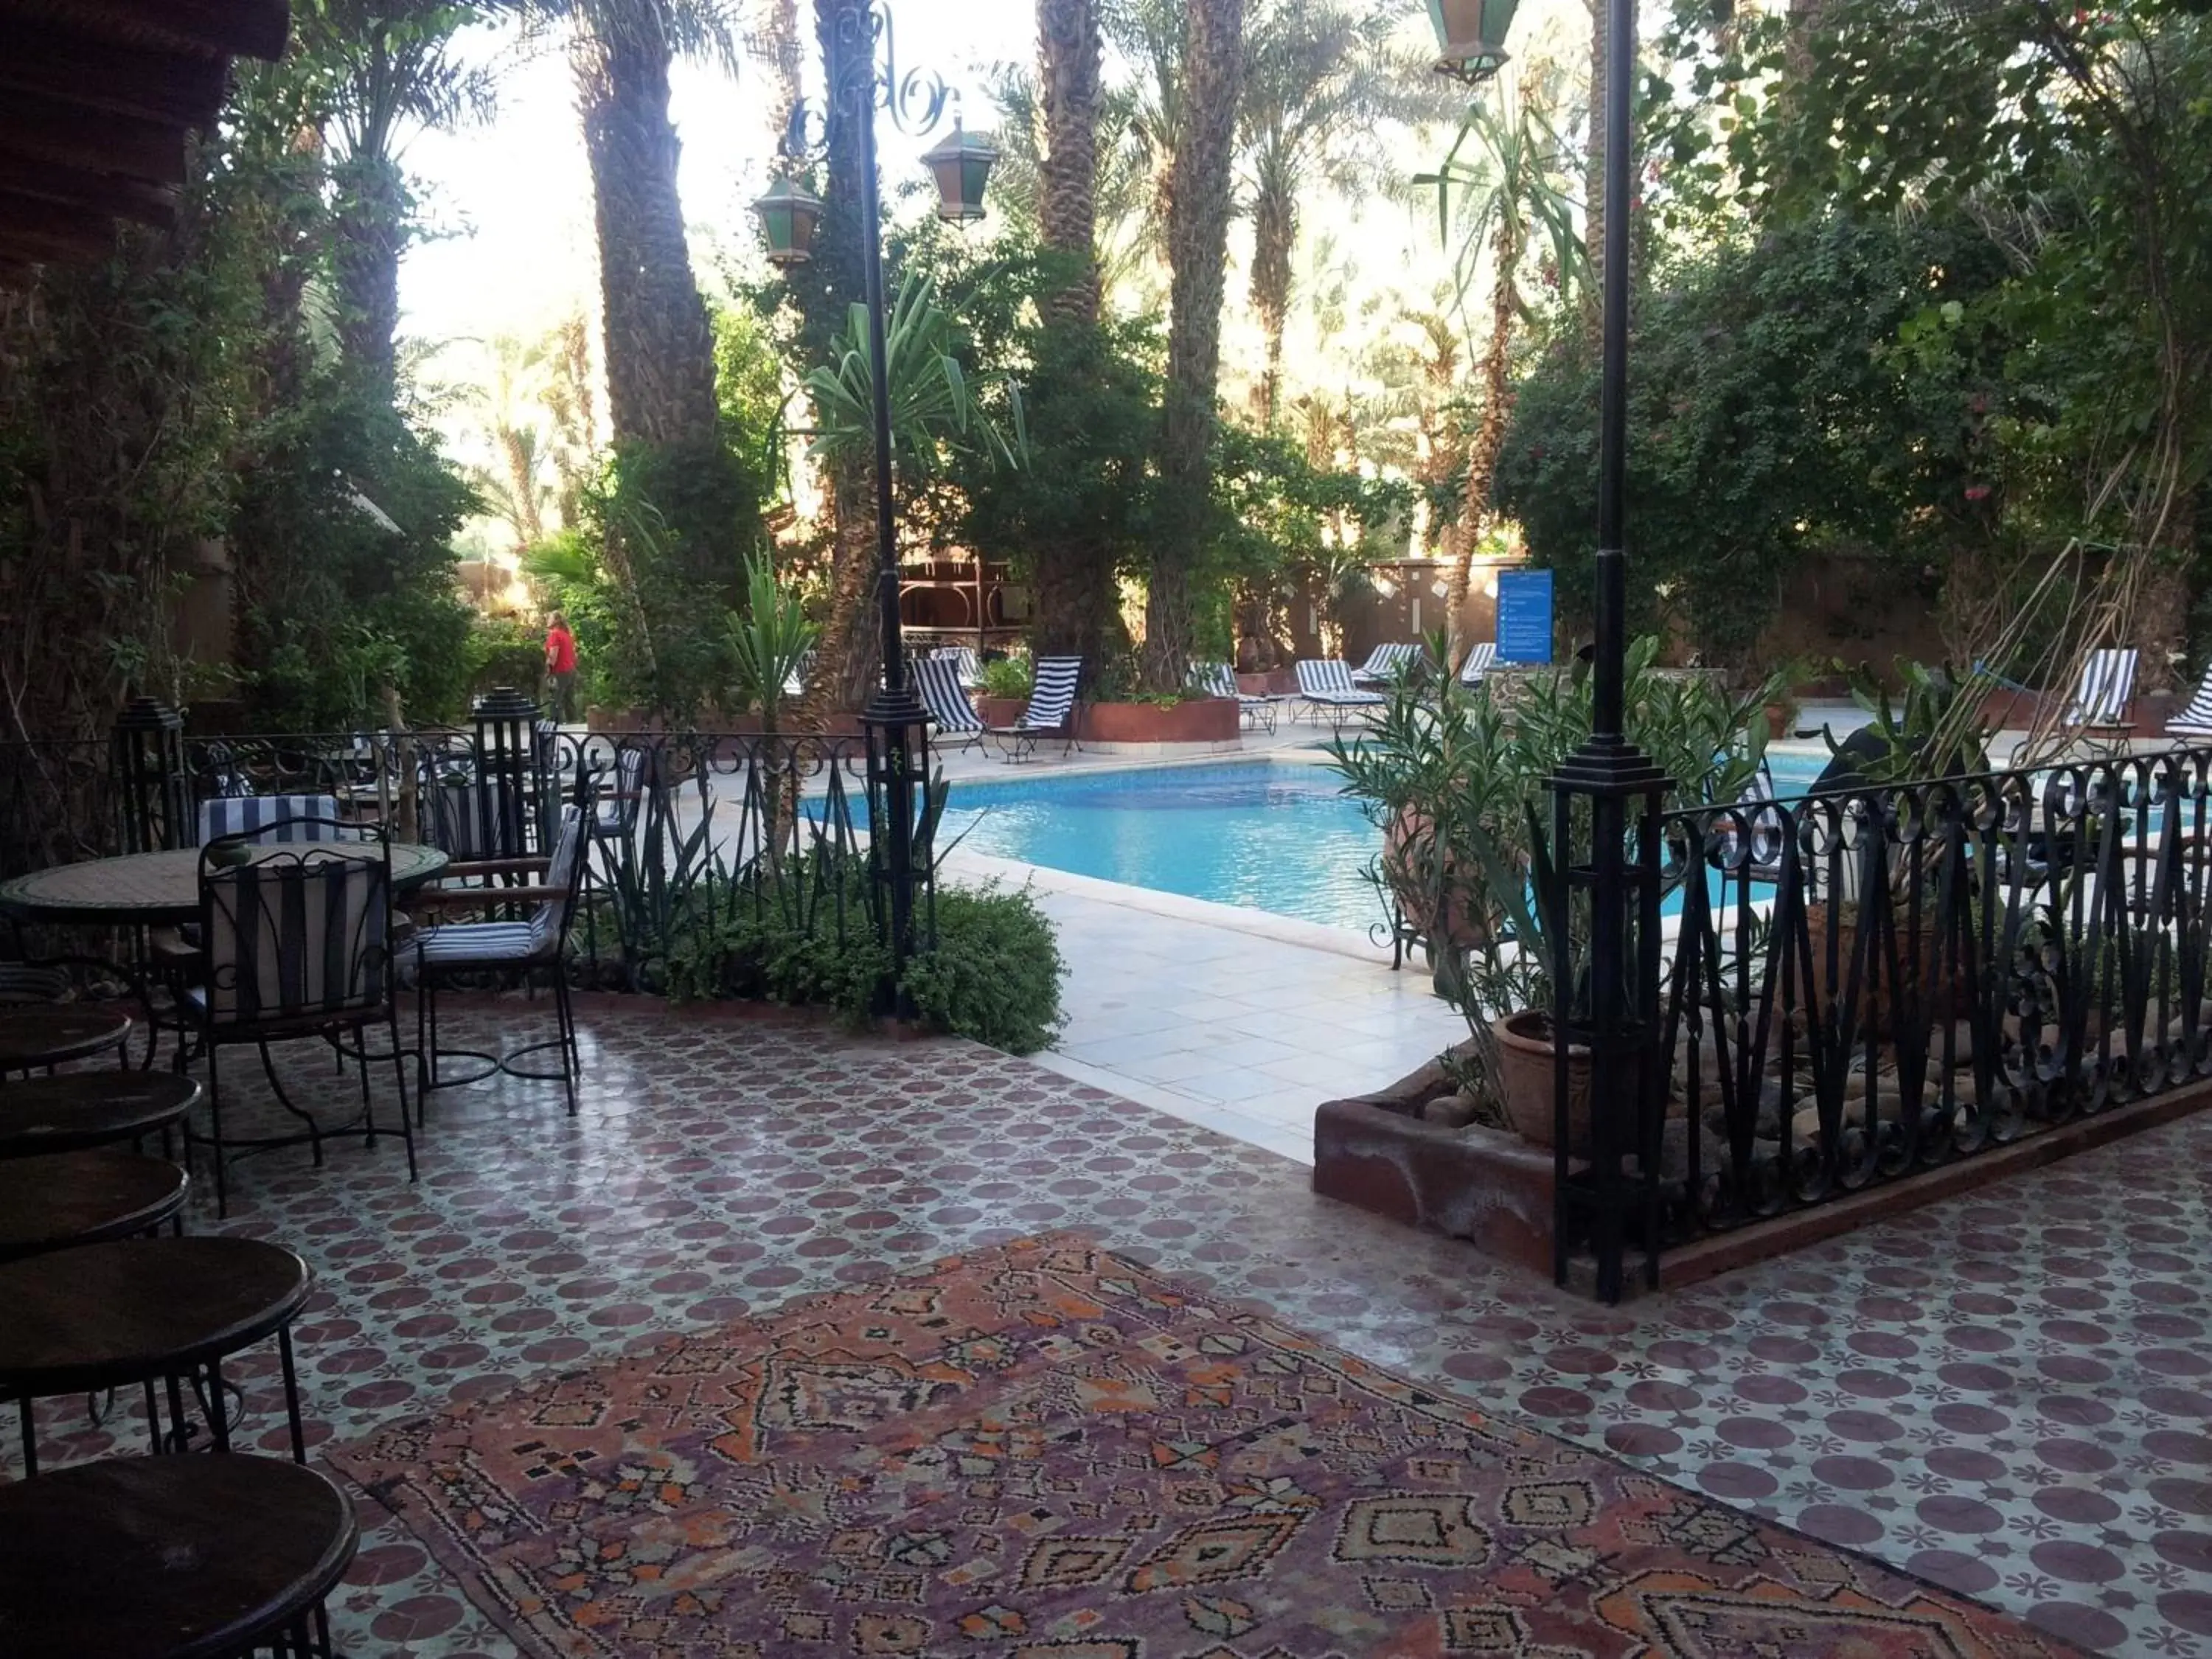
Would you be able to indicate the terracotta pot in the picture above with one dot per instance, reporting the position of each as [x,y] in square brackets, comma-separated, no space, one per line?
[1455,918]
[1207,719]
[1781,719]
[1527,1076]
[999,711]
[1877,991]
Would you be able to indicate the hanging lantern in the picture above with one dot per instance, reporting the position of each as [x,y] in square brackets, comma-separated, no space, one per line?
[1471,36]
[789,214]
[963,166]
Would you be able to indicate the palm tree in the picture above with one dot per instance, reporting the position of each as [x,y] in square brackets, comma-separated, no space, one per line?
[1514,195]
[1211,82]
[659,345]
[1321,83]
[392,70]
[1124,237]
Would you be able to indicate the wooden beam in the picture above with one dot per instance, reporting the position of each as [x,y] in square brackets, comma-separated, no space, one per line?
[103,192]
[31,229]
[243,28]
[49,130]
[176,89]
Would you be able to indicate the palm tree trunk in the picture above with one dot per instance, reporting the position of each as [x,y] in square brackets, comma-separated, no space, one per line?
[368,226]
[1490,432]
[1274,237]
[825,289]
[1198,255]
[1072,50]
[1075,580]
[659,346]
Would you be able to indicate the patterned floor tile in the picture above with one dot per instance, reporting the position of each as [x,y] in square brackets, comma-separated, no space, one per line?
[2009,1394]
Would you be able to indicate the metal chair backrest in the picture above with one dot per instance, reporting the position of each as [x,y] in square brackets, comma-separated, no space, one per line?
[303,930]
[564,876]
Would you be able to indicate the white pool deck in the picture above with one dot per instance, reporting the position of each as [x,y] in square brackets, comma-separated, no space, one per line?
[1237,1020]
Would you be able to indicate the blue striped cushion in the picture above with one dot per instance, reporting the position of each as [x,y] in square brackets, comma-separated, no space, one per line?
[477,941]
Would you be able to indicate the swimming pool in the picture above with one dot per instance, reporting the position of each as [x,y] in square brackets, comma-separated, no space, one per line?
[1274,835]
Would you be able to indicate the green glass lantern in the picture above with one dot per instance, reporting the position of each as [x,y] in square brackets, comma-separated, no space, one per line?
[963,165]
[1471,36]
[789,215]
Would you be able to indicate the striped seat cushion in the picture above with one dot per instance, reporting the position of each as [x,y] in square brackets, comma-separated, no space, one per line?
[316,818]
[1479,661]
[2108,684]
[1329,680]
[468,942]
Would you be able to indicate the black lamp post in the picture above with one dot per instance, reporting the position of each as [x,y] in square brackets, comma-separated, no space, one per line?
[1607,796]
[859,84]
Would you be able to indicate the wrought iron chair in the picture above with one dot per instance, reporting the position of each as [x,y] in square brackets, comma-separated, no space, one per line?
[443,952]
[295,942]
[289,818]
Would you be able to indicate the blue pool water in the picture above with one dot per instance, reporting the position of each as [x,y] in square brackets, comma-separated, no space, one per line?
[1274,835]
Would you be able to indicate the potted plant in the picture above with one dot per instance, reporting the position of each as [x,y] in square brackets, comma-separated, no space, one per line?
[1455,785]
[1003,690]
[1783,709]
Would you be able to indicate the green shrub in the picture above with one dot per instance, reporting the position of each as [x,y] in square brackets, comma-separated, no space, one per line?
[993,975]
[1006,677]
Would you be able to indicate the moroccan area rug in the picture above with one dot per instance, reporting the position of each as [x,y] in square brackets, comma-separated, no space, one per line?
[1043,1451]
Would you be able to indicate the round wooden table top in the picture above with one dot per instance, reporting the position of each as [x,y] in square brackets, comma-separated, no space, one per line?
[157,890]
[84,1197]
[48,1034]
[78,1109]
[104,1314]
[167,1558]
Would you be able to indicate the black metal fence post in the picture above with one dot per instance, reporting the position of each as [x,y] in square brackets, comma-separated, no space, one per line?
[154,795]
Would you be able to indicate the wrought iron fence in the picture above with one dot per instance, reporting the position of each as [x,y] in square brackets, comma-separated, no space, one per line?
[1866,984]
[690,832]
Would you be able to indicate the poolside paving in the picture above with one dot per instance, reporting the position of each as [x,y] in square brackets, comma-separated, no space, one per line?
[2011,1394]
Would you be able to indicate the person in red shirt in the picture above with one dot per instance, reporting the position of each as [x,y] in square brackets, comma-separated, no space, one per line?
[560,663]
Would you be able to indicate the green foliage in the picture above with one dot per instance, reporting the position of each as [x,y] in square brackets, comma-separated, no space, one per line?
[505,651]
[1006,677]
[1778,406]
[1937,732]
[1458,782]
[992,973]
[768,641]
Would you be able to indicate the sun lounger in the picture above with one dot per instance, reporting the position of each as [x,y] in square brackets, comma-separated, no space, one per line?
[1051,711]
[1479,661]
[1216,680]
[2108,685]
[965,663]
[1326,684]
[1385,663]
[937,681]
[2194,723]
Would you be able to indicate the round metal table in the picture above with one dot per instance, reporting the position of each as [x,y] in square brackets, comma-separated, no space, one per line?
[172,1558]
[162,889]
[84,1197]
[78,1109]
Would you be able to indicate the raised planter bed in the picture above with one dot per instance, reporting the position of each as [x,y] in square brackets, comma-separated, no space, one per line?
[1206,719]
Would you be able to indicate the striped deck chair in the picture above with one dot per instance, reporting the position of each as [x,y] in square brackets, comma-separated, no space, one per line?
[937,683]
[1479,661]
[287,818]
[794,682]
[1386,663]
[2108,685]
[1755,836]
[1051,710]
[966,663]
[1326,684]
[2194,723]
[1216,680]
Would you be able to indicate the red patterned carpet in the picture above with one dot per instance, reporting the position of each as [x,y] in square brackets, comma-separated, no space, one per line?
[1041,1451]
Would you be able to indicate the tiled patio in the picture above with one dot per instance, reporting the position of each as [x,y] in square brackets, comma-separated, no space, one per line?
[2010,1395]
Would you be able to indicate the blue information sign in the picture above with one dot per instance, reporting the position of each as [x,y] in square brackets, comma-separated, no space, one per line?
[1524,615]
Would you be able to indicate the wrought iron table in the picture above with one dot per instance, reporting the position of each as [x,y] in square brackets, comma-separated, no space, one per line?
[78,1109]
[102,1316]
[162,889]
[84,1197]
[172,1558]
[48,1034]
